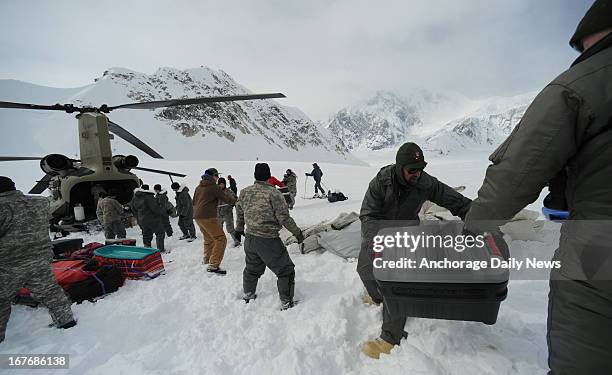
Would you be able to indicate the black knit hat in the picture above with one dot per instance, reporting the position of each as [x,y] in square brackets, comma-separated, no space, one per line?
[221,180]
[175,186]
[410,155]
[596,19]
[6,184]
[157,187]
[145,187]
[262,171]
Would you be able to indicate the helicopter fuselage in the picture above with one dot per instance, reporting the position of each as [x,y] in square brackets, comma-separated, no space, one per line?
[98,171]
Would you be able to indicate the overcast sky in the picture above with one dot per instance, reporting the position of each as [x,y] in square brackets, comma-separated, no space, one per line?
[322,54]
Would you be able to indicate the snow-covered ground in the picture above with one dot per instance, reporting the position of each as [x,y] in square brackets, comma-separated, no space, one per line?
[191,322]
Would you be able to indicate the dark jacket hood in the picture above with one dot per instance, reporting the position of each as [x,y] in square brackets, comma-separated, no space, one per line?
[597,18]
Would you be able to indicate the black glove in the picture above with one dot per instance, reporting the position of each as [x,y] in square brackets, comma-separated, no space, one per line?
[299,237]
[306,174]
[239,234]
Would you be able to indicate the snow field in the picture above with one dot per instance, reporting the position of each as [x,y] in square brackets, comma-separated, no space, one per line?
[188,321]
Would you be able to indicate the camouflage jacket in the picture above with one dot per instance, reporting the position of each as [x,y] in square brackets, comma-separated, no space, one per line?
[224,209]
[109,210]
[264,211]
[24,229]
[291,181]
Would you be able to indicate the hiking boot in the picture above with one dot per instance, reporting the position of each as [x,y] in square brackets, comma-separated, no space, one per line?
[374,348]
[216,270]
[247,297]
[67,325]
[287,304]
[367,300]
[184,237]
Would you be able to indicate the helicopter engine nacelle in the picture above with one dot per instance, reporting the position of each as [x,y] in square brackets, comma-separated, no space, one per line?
[125,162]
[54,164]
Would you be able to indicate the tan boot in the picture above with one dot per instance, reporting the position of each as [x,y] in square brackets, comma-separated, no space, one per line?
[367,300]
[373,348]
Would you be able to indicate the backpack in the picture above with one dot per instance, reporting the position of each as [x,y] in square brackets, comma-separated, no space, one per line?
[336,197]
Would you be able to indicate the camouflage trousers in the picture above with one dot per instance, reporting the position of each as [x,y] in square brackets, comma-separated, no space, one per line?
[114,229]
[263,252]
[39,279]
[227,218]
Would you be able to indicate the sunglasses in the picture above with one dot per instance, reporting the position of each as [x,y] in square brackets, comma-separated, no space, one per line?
[414,170]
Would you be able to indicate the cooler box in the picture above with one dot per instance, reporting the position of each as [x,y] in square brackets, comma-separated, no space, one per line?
[137,263]
[120,241]
[66,245]
[453,293]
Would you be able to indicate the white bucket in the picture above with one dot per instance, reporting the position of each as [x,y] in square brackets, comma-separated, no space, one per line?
[79,212]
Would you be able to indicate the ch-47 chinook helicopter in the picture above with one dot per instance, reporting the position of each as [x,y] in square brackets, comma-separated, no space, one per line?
[76,183]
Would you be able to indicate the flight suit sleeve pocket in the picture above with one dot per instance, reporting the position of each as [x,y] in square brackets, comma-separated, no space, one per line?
[499,152]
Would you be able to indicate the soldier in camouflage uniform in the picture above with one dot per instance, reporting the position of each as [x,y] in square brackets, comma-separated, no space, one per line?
[110,213]
[225,212]
[264,210]
[25,251]
[290,180]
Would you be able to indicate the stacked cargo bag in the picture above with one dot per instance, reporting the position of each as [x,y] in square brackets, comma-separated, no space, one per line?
[86,252]
[120,241]
[136,263]
[66,246]
[103,279]
[453,293]
[81,279]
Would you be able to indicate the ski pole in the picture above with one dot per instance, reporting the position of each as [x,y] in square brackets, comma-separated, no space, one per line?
[304,192]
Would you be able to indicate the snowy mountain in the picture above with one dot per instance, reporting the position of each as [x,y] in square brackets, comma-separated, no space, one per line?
[377,123]
[483,129]
[440,121]
[248,130]
[387,119]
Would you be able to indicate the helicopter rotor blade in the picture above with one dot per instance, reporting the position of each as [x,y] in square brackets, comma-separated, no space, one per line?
[132,139]
[18,158]
[41,185]
[202,100]
[160,171]
[55,107]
